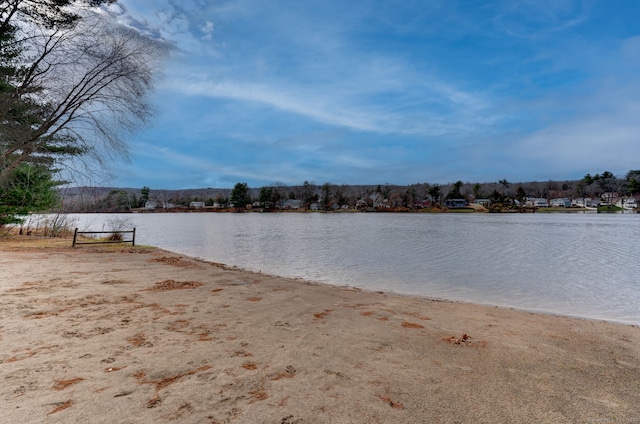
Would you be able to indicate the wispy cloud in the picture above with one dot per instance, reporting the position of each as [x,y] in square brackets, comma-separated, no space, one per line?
[368,104]
[535,19]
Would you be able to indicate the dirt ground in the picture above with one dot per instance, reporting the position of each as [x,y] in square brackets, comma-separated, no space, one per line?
[141,335]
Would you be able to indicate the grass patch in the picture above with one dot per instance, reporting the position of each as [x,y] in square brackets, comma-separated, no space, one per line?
[557,209]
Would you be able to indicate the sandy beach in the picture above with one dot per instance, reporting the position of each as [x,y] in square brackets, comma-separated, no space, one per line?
[141,335]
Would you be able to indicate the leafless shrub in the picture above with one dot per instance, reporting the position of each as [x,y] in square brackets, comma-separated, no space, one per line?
[50,225]
[116,225]
[59,225]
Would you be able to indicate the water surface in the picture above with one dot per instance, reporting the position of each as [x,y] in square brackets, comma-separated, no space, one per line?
[573,264]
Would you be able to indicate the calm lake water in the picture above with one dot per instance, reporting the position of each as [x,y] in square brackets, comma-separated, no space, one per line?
[583,265]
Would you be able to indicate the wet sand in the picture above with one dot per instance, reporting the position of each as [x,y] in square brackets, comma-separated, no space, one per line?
[141,335]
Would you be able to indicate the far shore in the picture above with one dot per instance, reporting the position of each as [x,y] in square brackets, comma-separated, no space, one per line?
[137,334]
[470,209]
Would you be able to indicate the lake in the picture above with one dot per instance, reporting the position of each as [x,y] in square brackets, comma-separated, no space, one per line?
[582,265]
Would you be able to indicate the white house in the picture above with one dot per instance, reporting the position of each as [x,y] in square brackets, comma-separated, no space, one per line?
[541,202]
[538,202]
[585,202]
[151,204]
[628,203]
[562,203]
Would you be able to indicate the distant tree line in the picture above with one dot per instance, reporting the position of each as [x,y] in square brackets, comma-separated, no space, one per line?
[327,196]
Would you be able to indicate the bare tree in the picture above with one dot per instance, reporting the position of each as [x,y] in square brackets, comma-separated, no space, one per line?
[78,90]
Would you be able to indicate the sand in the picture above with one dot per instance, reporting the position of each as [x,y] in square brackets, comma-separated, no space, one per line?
[142,335]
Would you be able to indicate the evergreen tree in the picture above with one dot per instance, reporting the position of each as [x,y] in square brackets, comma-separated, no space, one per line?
[477,190]
[240,196]
[410,196]
[31,188]
[326,195]
[434,192]
[633,181]
[144,196]
[265,196]
[455,191]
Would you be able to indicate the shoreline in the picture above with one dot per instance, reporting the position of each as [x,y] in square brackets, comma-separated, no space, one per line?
[140,334]
[519,283]
[411,295]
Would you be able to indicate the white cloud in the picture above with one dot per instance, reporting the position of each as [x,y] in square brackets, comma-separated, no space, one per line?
[208,29]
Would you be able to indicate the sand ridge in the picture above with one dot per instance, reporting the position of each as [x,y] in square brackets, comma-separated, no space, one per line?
[137,335]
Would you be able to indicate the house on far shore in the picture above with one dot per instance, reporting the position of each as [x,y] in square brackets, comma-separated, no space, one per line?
[290,204]
[315,207]
[609,197]
[585,202]
[151,205]
[456,203]
[422,204]
[360,204]
[482,202]
[561,203]
[539,202]
[628,203]
[157,204]
[197,205]
[382,204]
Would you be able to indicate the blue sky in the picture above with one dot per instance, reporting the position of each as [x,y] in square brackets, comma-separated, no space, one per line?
[399,92]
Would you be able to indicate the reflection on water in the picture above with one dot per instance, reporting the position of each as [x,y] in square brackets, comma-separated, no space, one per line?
[585,265]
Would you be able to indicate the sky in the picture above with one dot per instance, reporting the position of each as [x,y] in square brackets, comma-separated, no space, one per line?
[386,91]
